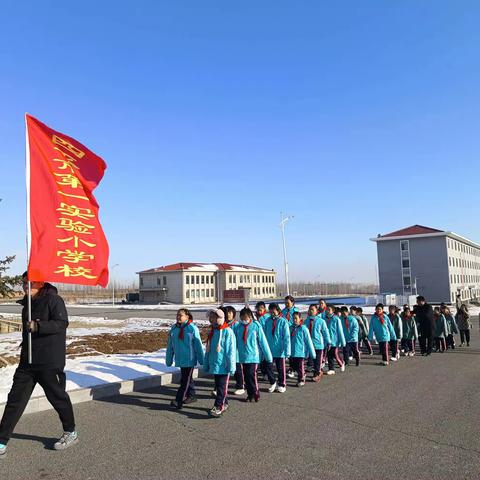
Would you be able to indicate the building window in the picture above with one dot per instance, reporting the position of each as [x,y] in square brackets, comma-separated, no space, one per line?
[141,281]
[158,282]
[203,279]
[405,262]
[230,279]
[198,280]
[203,292]
[212,293]
[164,281]
[187,279]
[187,293]
[198,293]
[234,279]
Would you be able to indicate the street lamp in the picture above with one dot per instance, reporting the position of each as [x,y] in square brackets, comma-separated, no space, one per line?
[283,221]
[113,284]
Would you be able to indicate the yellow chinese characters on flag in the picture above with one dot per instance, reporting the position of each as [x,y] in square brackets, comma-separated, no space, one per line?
[66,241]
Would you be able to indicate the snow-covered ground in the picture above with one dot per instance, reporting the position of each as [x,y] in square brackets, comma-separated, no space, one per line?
[97,370]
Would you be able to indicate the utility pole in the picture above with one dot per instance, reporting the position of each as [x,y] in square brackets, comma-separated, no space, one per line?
[283,221]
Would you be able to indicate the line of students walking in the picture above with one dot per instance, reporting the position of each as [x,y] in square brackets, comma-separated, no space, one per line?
[328,337]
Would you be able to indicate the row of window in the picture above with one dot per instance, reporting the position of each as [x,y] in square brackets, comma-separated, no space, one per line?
[461,247]
[263,290]
[232,278]
[462,263]
[462,279]
[199,279]
[200,293]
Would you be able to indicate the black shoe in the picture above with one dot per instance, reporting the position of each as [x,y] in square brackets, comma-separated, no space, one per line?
[248,399]
[175,405]
[189,400]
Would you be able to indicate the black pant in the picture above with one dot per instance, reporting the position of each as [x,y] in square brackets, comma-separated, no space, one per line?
[280,364]
[465,335]
[24,381]
[317,362]
[187,387]
[426,344]
[239,377]
[393,347]
[298,366]
[450,341]
[351,348]
[332,356]
[221,387]
[250,376]
[383,347]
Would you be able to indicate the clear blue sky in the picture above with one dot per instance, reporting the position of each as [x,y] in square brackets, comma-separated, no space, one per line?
[357,117]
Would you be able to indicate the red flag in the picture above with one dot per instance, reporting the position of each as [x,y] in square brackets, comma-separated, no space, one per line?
[65,239]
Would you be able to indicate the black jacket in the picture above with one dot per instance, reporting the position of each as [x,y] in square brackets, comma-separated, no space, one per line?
[426,320]
[49,342]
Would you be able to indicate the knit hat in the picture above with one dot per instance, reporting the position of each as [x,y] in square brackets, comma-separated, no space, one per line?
[219,313]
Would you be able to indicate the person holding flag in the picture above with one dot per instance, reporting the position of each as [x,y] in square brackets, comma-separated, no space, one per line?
[48,329]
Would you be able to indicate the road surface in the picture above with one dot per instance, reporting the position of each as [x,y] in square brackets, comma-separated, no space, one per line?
[419,418]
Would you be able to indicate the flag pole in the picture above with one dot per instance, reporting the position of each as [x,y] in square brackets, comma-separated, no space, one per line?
[29,237]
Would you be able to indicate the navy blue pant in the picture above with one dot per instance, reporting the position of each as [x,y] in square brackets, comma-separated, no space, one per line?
[317,362]
[351,348]
[221,387]
[239,377]
[298,366]
[251,382]
[408,345]
[187,386]
[393,347]
[281,369]
[383,350]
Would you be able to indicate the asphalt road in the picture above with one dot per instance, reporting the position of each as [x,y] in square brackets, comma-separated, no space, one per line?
[419,418]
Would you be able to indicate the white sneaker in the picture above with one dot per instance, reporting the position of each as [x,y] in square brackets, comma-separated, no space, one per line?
[342,368]
[66,440]
[214,393]
[385,364]
[240,391]
[272,388]
[301,384]
[350,358]
[281,389]
[291,374]
[398,356]
[3,449]
[331,372]
[394,359]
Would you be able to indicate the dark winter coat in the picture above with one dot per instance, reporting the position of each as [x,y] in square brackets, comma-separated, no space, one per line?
[425,319]
[49,342]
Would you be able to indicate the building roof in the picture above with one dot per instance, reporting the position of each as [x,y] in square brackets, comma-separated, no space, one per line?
[413,230]
[420,231]
[207,267]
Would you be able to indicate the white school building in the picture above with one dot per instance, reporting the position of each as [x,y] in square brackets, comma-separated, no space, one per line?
[189,283]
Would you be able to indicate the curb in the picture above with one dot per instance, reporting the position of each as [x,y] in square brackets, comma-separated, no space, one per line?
[87,394]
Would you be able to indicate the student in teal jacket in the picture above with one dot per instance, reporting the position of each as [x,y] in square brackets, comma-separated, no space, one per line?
[441,330]
[232,322]
[289,309]
[261,315]
[220,358]
[185,346]
[382,329]
[351,331]
[320,337]
[337,340]
[301,347]
[396,321]
[451,326]
[251,346]
[278,338]
[409,331]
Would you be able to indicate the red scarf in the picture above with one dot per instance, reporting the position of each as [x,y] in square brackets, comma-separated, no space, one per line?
[295,328]
[245,331]
[231,323]
[274,325]
[346,321]
[288,315]
[223,326]
[182,328]
[382,319]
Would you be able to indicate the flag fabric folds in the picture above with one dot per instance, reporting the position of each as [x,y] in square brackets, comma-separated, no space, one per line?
[66,243]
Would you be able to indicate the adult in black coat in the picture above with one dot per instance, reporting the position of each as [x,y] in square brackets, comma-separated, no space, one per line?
[48,325]
[424,314]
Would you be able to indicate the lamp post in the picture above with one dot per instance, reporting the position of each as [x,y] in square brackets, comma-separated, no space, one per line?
[283,221]
[113,284]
